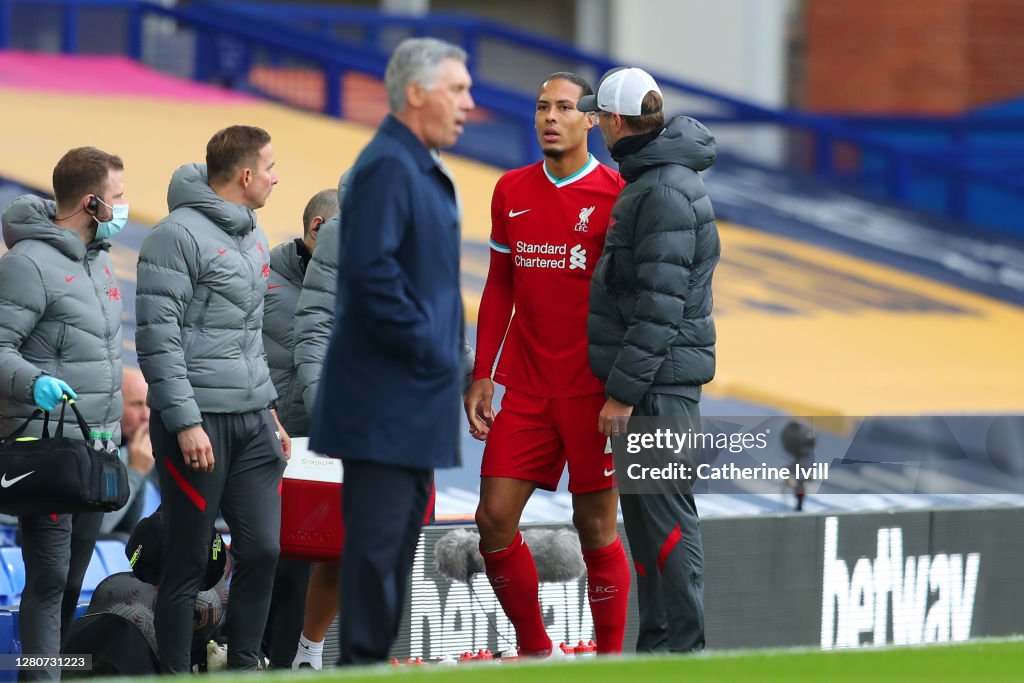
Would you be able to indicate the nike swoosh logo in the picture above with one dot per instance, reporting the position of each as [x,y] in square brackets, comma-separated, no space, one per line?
[608,472]
[592,600]
[221,252]
[7,483]
[273,286]
[69,279]
[513,214]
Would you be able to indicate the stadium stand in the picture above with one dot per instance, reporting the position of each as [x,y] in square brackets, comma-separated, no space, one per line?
[826,297]
[14,569]
[829,303]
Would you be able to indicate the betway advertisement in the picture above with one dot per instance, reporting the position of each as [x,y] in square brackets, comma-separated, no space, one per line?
[830,581]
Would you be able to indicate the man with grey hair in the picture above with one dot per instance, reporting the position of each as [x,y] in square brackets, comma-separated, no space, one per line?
[396,347]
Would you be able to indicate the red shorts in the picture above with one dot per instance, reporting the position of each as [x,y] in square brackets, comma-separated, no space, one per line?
[532,438]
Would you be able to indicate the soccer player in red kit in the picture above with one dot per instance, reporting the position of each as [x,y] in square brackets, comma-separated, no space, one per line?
[548,223]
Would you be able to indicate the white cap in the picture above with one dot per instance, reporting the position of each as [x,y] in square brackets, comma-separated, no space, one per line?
[621,91]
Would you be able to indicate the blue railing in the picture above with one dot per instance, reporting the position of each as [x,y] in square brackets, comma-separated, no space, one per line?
[890,166]
[230,39]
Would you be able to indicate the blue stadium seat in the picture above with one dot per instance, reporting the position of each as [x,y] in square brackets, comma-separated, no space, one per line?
[8,636]
[8,534]
[152,499]
[93,575]
[9,644]
[112,554]
[14,566]
[8,597]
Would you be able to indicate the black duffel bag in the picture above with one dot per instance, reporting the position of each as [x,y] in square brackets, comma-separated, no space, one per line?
[58,474]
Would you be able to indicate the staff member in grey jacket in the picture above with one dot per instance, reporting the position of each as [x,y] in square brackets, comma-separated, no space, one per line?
[314,318]
[288,266]
[289,263]
[60,335]
[650,331]
[202,277]
[314,310]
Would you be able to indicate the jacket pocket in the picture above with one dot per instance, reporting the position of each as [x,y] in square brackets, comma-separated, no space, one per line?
[190,341]
[62,336]
[197,329]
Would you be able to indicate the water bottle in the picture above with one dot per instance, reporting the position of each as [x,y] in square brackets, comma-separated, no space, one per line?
[96,440]
[108,443]
[109,477]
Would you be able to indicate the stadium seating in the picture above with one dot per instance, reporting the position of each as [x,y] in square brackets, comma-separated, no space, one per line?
[152,499]
[10,644]
[14,568]
[7,594]
[111,553]
[95,573]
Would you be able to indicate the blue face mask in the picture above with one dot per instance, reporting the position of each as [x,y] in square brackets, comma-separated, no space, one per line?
[107,229]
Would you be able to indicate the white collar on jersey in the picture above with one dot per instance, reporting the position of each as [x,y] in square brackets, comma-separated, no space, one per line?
[591,164]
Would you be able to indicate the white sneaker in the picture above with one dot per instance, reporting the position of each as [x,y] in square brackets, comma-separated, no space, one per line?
[555,654]
[315,662]
[308,655]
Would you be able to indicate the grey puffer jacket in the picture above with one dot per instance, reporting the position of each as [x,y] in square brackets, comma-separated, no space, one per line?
[314,314]
[650,327]
[60,315]
[287,268]
[202,276]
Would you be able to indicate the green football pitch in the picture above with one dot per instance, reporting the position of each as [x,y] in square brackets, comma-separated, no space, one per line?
[988,661]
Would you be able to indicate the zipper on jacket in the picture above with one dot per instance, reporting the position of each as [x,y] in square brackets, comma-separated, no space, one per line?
[59,360]
[254,284]
[106,339]
[61,338]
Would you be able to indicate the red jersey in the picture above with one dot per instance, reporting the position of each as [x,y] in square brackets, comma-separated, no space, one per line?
[546,237]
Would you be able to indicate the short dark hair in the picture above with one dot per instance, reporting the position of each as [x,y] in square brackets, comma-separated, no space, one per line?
[82,171]
[324,203]
[572,78]
[651,116]
[231,148]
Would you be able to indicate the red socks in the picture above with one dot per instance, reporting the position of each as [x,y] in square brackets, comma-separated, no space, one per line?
[608,590]
[513,577]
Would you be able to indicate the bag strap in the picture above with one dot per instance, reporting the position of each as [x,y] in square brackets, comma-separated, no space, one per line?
[83,426]
[59,433]
[21,429]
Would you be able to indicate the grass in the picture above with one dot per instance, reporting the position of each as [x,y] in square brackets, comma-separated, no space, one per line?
[990,661]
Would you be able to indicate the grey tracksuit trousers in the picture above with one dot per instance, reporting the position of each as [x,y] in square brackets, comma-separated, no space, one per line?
[664,539]
[244,486]
[56,550]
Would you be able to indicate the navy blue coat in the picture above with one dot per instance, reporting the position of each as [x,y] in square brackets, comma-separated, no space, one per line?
[390,390]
